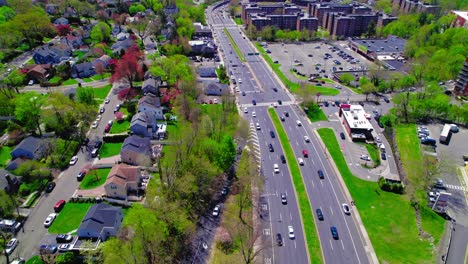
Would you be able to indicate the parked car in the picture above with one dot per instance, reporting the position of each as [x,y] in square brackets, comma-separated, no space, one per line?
[334,232]
[95,124]
[364,157]
[284,198]
[319,214]
[73,160]
[383,156]
[64,247]
[81,174]
[291,232]
[342,135]
[107,100]
[216,210]
[48,249]
[98,144]
[102,110]
[346,209]
[59,205]
[107,128]
[50,187]
[63,238]
[11,245]
[49,220]
[279,240]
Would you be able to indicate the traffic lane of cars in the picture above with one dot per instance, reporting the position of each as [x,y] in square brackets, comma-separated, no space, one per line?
[281,215]
[353,244]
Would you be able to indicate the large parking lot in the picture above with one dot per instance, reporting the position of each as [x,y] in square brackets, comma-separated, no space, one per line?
[316,58]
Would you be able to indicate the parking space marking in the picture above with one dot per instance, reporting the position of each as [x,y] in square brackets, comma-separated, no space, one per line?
[456,187]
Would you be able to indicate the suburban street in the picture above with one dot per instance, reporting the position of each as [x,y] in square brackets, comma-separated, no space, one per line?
[257,83]
[33,231]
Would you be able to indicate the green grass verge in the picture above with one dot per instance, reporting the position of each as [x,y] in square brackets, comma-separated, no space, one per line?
[313,243]
[102,92]
[238,21]
[292,85]
[300,77]
[87,80]
[35,260]
[389,218]
[70,82]
[55,79]
[110,149]
[4,155]
[94,178]
[412,158]
[234,46]
[374,154]
[99,77]
[69,218]
[32,199]
[316,114]
[120,127]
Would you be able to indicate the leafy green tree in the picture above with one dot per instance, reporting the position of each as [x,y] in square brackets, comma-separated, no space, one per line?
[66,258]
[33,25]
[135,8]
[29,110]
[100,32]
[346,78]
[6,204]
[368,88]
[6,13]
[85,95]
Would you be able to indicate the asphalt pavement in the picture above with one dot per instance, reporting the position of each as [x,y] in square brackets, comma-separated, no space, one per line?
[257,82]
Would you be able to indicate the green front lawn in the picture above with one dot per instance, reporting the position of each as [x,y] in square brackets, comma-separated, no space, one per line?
[94,178]
[120,127]
[308,222]
[69,218]
[110,149]
[389,218]
[102,92]
[99,77]
[35,260]
[70,82]
[4,155]
[87,80]
[55,79]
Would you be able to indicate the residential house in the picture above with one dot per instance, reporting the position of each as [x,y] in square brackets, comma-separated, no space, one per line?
[151,85]
[9,182]
[30,148]
[207,72]
[136,151]
[201,31]
[38,72]
[205,48]
[104,60]
[52,53]
[143,124]
[73,41]
[217,89]
[52,9]
[101,222]
[123,180]
[61,21]
[151,103]
[121,46]
[82,70]
[122,36]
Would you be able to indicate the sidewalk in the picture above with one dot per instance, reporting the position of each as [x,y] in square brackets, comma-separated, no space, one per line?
[93,84]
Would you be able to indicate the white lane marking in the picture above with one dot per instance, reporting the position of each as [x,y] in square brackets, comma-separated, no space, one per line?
[342,244]
[321,182]
[295,246]
[290,215]
[331,210]
[331,245]
[313,185]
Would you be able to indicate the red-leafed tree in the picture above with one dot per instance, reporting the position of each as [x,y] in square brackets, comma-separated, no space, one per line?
[100,69]
[63,30]
[130,67]
[127,94]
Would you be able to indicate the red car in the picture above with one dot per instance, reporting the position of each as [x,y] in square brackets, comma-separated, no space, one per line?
[107,128]
[304,152]
[59,206]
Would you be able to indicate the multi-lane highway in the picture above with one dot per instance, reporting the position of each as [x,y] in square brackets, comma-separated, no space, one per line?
[257,83]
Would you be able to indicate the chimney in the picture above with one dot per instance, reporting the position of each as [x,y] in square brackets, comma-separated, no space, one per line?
[8,179]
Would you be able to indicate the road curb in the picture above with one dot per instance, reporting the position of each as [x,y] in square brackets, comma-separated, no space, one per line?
[371,256]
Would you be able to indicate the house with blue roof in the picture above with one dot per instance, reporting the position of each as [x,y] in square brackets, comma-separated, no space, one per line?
[143,124]
[82,70]
[30,148]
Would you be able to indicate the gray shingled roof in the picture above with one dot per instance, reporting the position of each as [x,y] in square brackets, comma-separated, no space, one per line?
[137,144]
[99,216]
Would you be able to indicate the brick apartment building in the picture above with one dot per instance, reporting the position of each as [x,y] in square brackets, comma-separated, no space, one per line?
[282,16]
[461,85]
[415,6]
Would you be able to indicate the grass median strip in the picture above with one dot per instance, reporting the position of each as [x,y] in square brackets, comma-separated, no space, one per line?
[313,243]
[388,218]
[234,46]
[292,85]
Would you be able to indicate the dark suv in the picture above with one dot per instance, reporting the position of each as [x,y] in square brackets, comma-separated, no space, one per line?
[283,159]
[319,214]
[279,239]
[270,147]
[98,144]
[320,174]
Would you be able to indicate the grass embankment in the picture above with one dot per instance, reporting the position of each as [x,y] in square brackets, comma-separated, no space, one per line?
[413,162]
[292,85]
[94,178]
[238,21]
[234,45]
[389,218]
[374,154]
[313,243]
[69,218]
[110,149]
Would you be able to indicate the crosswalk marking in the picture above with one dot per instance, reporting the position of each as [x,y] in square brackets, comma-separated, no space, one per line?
[455,187]
[266,231]
[267,260]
